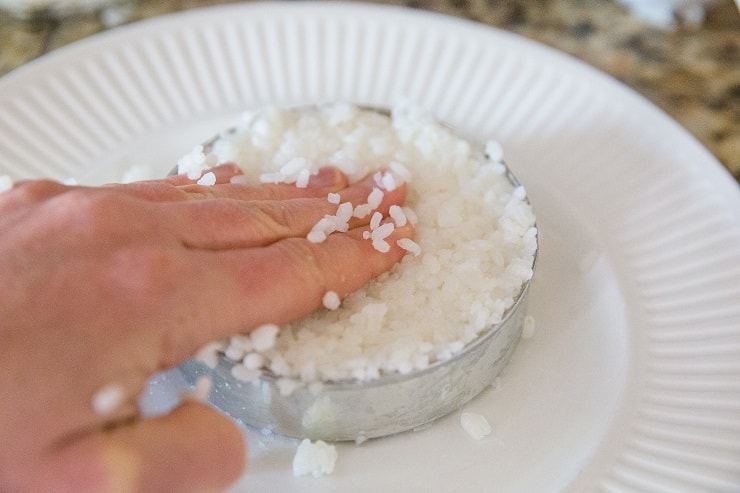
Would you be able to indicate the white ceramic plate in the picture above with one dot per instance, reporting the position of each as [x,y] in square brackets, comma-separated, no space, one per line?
[632,380]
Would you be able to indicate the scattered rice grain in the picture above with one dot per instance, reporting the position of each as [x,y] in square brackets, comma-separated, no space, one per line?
[263,337]
[400,171]
[362,211]
[316,236]
[209,354]
[375,198]
[108,399]
[314,459]
[287,386]
[386,181]
[411,216]
[410,246]
[208,179]
[383,231]
[475,425]
[494,151]
[343,215]
[375,220]
[303,177]
[381,245]
[398,216]
[331,300]
[253,361]
[244,374]
[234,352]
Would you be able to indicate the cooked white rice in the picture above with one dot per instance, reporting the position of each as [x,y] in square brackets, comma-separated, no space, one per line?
[475,425]
[314,459]
[208,179]
[473,249]
[331,300]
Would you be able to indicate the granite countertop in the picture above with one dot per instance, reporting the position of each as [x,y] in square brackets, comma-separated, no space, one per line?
[690,71]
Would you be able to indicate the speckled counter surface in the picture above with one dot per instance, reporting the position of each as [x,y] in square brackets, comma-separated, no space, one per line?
[693,73]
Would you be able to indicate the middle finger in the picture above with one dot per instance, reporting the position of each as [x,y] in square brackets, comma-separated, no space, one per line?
[223,223]
[180,188]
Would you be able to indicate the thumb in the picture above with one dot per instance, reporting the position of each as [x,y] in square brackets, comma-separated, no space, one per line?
[194,448]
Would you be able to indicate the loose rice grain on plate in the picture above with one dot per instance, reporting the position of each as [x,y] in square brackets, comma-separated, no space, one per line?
[314,459]
[475,425]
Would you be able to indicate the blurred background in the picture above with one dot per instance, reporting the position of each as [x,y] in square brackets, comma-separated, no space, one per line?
[683,55]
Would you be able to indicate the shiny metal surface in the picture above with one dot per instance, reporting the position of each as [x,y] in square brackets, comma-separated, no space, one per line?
[351,410]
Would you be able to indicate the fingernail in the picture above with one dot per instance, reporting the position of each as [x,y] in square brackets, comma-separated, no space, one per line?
[329,177]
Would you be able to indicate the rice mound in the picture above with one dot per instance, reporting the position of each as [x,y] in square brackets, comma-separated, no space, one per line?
[475,238]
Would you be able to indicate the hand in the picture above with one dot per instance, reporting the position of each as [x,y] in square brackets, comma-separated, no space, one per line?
[103,287]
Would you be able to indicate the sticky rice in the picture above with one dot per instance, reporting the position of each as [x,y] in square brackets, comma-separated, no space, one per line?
[473,250]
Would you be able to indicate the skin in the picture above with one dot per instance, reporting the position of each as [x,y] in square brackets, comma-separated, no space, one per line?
[107,286]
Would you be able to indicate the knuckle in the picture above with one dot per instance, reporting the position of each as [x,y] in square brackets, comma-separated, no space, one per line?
[146,281]
[143,271]
[263,222]
[275,217]
[32,191]
[82,211]
[294,217]
[308,262]
[156,190]
[193,191]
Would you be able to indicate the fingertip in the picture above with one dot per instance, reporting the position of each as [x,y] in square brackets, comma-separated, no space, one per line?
[405,231]
[193,448]
[330,178]
[214,446]
[403,241]
[89,465]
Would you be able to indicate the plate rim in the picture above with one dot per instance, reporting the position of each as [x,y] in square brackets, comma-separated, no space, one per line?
[716,173]
[93,42]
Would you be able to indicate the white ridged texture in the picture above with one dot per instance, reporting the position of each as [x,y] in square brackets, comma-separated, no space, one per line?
[631,382]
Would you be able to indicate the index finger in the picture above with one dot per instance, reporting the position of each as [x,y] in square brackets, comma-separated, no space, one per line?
[276,284]
[232,184]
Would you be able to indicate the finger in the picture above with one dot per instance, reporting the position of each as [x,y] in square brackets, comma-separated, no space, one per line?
[328,179]
[220,224]
[194,448]
[25,192]
[168,188]
[276,284]
[293,275]
[180,188]
[17,203]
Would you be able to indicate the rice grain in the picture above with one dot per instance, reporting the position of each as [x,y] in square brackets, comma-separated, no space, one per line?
[475,425]
[331,300]
[314,459]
